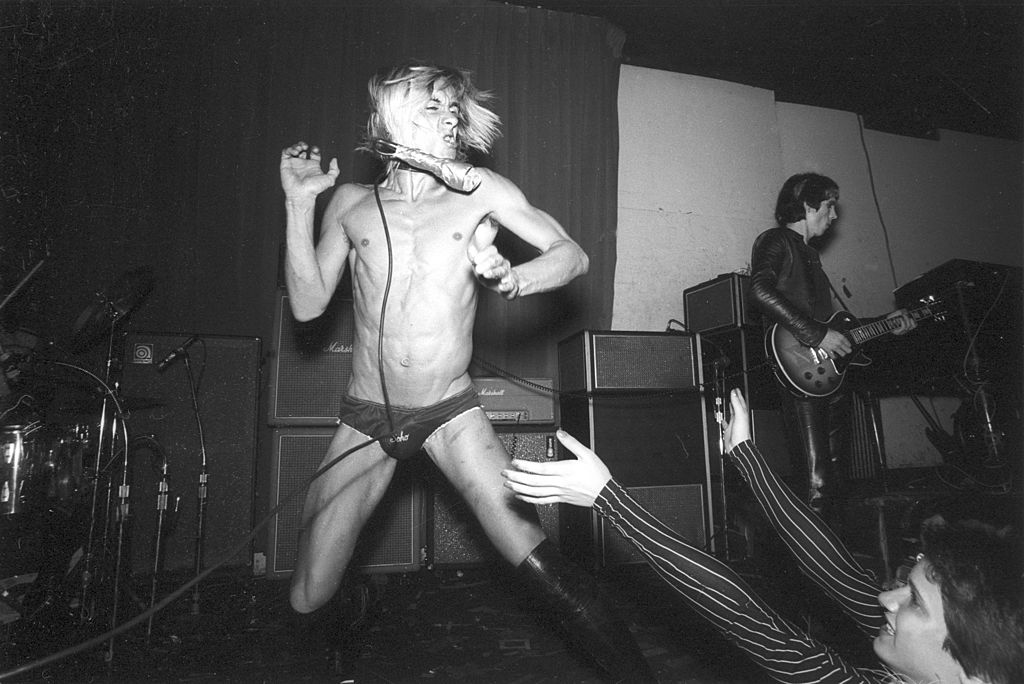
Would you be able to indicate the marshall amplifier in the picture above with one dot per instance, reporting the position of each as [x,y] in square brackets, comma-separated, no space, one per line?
[530,401]
[312,364]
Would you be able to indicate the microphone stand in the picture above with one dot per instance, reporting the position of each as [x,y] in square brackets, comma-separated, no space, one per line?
[161,507]
[201,492]
[124,504]
[107,432]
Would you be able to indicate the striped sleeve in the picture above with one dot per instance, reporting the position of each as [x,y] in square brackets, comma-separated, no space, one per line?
[819,553]
[718,594]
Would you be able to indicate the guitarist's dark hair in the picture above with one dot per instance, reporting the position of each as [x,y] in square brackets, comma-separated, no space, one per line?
[812,188]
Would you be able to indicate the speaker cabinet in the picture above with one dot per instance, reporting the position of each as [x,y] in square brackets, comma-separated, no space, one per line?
[391,541]
[458,539]
[312,364]
[597,361]
[633,398]
[736,358]
[718,304]
[678,506]
[226,372]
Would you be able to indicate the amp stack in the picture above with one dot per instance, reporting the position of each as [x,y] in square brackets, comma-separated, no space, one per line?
[421,520]
[635,399]
[733,355]
[312,364]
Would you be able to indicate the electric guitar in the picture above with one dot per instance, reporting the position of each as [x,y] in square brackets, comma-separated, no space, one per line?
[808,371]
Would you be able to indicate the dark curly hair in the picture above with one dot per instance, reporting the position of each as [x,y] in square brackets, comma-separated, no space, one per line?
[979,572]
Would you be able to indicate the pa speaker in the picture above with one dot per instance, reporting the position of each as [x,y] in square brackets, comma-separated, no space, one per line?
[312,364]
[226,373]
[458,540]
[391,541]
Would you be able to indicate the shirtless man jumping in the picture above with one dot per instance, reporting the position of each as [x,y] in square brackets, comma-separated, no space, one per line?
[417,249]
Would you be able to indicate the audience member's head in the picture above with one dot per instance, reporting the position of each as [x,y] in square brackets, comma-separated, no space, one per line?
[959,617]
[979,571]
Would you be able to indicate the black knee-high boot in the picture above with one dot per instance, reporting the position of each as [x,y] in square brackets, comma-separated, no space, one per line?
[574,598]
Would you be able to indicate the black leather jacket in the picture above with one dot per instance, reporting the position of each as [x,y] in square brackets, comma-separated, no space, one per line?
[788,285]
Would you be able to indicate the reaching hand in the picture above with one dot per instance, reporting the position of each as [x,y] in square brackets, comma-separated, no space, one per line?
[576,482]
[301,175]
[738,428]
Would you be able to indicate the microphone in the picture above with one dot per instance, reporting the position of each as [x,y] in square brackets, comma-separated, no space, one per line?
[178,352]
[461,176]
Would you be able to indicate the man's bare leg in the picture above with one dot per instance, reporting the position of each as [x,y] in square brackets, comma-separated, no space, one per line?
[338,505]
[471,456]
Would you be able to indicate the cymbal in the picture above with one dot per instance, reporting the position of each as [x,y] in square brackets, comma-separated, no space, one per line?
[110,307]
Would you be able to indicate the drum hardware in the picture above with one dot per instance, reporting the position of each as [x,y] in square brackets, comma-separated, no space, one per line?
[103,317]
[11,607]
[108,308]
[21,284]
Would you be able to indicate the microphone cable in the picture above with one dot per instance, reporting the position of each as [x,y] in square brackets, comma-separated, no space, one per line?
[177,593]
[383,310]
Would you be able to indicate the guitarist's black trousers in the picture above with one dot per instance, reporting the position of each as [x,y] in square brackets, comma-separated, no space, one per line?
[821,426]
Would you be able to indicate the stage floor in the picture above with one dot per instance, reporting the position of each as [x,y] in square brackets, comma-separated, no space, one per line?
[446,626]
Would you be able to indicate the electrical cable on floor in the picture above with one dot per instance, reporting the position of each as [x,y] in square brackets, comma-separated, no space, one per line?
[170,598]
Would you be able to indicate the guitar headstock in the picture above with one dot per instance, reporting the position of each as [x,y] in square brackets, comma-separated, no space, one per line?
[931,307]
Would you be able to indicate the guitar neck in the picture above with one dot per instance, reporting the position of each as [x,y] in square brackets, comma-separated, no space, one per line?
[870,331]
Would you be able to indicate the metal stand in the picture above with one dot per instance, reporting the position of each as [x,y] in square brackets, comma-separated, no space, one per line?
[975,374]
[720,396]
[202,485]
[105,441]
[123,506]
[161,507]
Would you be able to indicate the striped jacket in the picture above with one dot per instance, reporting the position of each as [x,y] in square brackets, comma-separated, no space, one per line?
[716,592]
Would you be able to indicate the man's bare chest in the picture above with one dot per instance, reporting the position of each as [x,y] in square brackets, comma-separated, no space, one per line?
[427,230]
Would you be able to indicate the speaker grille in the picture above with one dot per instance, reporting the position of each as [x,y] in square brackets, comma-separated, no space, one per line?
[680,507]
[392,538]
[312,365]
[590,361]
[458,539]
[226,372]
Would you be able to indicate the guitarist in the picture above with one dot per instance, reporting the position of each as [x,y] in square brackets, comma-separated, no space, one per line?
[790,288]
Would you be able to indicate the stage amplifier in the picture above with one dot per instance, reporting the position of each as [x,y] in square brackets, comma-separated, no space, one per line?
[530,401]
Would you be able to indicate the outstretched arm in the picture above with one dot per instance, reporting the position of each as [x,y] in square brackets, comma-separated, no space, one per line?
[819,553]
[709,586]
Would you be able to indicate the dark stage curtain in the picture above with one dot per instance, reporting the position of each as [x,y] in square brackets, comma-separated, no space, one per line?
[149,135]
